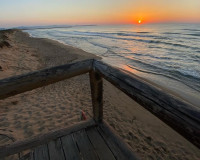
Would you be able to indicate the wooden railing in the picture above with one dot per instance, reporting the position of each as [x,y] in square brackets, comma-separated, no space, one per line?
[181,116]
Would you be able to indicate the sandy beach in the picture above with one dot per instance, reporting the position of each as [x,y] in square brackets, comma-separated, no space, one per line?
[59,105]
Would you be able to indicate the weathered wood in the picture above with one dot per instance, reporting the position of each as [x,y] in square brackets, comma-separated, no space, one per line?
[96,85]
[181,116]
[18,84]
[28,156]
[120,149]
[41,153]
[85,147]
[19,146]
[55,150]
[99,144]
[70,149]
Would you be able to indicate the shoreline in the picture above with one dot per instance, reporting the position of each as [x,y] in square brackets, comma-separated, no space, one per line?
[188,96]
[59,105]
[173,87]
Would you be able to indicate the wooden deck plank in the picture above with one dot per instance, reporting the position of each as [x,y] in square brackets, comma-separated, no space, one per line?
[94,142]
[41,152]
[85,147]
[115,150]
[40,139]
[99,144]
[120,150]
[70,149]
[116,143]
[55,150]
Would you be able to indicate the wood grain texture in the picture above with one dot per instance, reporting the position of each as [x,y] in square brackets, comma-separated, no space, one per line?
[55,150]
[181,116]
[99,144]
[28,156]
[19,84]
[70,149]
[96,84]
[33,142]
[86,149]
[41,152]
[119,148]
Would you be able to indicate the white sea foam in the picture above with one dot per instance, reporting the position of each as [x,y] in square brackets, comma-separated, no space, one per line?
[172,50]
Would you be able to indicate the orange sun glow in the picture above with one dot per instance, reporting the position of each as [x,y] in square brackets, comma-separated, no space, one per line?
[139,21]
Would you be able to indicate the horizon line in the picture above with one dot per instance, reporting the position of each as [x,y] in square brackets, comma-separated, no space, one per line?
[89,24]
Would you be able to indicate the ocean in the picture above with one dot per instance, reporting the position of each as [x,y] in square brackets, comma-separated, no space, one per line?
[166,54]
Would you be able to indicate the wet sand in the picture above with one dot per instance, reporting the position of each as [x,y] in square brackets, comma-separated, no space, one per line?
[59,105]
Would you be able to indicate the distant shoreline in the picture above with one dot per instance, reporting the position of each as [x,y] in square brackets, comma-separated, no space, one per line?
[60,104]
[169,85]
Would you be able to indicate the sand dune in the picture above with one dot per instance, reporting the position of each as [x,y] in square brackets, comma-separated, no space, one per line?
[58,105]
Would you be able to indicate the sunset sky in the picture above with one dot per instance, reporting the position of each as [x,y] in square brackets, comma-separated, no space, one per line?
[47,12]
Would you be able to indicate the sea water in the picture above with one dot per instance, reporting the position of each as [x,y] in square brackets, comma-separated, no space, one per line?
[166,54]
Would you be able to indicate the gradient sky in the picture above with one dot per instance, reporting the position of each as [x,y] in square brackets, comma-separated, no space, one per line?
[46,12]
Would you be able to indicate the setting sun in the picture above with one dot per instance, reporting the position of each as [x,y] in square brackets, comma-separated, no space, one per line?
[139,21]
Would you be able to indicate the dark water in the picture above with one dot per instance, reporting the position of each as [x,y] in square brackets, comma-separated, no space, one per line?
[168,50]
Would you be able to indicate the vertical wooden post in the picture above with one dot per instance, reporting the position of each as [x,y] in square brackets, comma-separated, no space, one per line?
[96,84]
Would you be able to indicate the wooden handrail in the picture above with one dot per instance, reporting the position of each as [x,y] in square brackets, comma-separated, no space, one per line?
[37,140]
[181,116]
[22,83]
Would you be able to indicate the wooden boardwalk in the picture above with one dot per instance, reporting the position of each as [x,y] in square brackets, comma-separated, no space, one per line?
[96,140]
[85,144]
[89,143]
